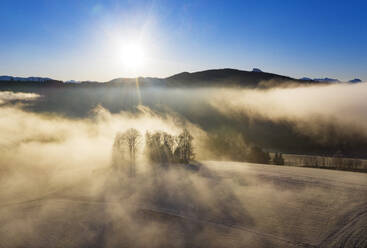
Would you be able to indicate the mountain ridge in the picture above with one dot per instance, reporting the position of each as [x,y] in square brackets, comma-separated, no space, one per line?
[211,77]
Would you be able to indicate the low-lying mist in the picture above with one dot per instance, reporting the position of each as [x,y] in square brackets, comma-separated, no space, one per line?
[312,109]
[57,181]
[313,119]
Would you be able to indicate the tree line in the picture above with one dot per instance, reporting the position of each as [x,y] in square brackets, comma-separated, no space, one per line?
[164,149]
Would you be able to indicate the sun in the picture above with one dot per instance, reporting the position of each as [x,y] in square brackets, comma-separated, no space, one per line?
[133,55]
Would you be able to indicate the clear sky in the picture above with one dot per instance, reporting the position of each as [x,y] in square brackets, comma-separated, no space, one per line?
[95,40]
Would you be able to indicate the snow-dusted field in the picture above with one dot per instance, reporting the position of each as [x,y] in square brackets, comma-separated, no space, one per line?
[313,206]
[224,204]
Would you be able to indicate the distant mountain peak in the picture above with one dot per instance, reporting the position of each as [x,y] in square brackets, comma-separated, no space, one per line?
[330,80]
[72,82]
[256,70]
[356,80]
[326,79]
[306,79]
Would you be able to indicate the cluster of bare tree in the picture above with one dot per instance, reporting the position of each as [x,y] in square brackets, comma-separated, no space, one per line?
[164,148]
[161,148]
[278,159]
[256,155]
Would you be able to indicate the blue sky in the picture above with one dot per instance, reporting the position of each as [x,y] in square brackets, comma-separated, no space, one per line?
[85,39]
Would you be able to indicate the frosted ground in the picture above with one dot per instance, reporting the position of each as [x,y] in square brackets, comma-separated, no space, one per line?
[222,204]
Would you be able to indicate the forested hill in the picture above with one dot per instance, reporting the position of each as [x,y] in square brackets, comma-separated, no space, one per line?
[231,77]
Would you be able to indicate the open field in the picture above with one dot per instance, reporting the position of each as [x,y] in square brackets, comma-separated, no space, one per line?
[224,204]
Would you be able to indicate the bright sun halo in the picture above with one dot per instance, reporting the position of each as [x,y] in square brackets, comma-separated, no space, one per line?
[133,55]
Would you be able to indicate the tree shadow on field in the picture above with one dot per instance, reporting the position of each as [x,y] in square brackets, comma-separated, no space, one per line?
[178,205]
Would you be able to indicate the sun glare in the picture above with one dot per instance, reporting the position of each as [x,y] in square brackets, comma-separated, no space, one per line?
[133,55]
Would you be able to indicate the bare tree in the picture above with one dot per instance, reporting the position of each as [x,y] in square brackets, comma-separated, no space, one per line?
[185,150]
[168,147]
[126,143]
[132,138]
[119,152]
[153,143]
